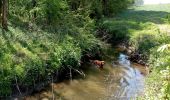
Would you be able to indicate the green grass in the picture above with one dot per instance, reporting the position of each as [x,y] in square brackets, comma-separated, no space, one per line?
[138,23]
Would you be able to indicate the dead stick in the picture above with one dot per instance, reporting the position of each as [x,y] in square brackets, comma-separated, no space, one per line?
[70,75]
[52,89]
[17,85]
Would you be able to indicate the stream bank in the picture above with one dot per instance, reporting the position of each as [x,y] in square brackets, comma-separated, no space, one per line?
[121,80]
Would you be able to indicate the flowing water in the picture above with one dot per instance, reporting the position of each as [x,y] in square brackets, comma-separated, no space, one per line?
[120,80]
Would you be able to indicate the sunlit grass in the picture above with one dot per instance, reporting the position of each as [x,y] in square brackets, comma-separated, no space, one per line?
[157,7]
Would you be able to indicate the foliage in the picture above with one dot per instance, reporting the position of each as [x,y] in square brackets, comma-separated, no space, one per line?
[117,31]
[159,62]
[115,6]
[32,50]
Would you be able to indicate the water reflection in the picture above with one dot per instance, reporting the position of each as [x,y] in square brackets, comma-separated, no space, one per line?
[131,82]
[120,80]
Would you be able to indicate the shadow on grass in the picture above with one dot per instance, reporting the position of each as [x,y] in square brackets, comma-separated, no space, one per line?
[16,22]
[26,35]
[122,27]
[5,35]
[142,16]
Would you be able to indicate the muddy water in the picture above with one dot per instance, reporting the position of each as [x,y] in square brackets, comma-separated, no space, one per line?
[120,80]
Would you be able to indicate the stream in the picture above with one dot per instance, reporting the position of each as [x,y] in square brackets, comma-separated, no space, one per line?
[120,80]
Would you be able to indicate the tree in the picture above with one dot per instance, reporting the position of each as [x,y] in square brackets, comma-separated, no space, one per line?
[1,11]
[34,3]
[4,14]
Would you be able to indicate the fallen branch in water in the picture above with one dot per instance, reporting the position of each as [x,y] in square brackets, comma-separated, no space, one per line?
[80,72]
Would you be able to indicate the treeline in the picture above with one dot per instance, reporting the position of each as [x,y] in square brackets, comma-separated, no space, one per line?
[50,11]
[42,37]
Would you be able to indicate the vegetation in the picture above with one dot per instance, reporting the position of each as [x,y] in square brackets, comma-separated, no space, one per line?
[146,29]
[40,38]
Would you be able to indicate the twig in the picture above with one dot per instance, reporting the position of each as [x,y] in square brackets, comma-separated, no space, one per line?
[52,88]
[70,75]
[81,73]
[17,85]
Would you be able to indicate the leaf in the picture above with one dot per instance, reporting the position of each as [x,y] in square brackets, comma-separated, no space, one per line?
[163,48]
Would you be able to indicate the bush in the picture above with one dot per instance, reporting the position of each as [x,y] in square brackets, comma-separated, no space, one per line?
[118,32]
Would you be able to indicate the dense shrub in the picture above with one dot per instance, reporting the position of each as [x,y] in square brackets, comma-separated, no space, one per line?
[117,30]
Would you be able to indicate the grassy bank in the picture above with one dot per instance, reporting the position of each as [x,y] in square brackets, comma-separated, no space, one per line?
[30,56]
[144,30]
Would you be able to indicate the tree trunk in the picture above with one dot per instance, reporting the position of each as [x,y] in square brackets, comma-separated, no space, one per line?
[0,12]
[104,3]
[4,14]
[34,3]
